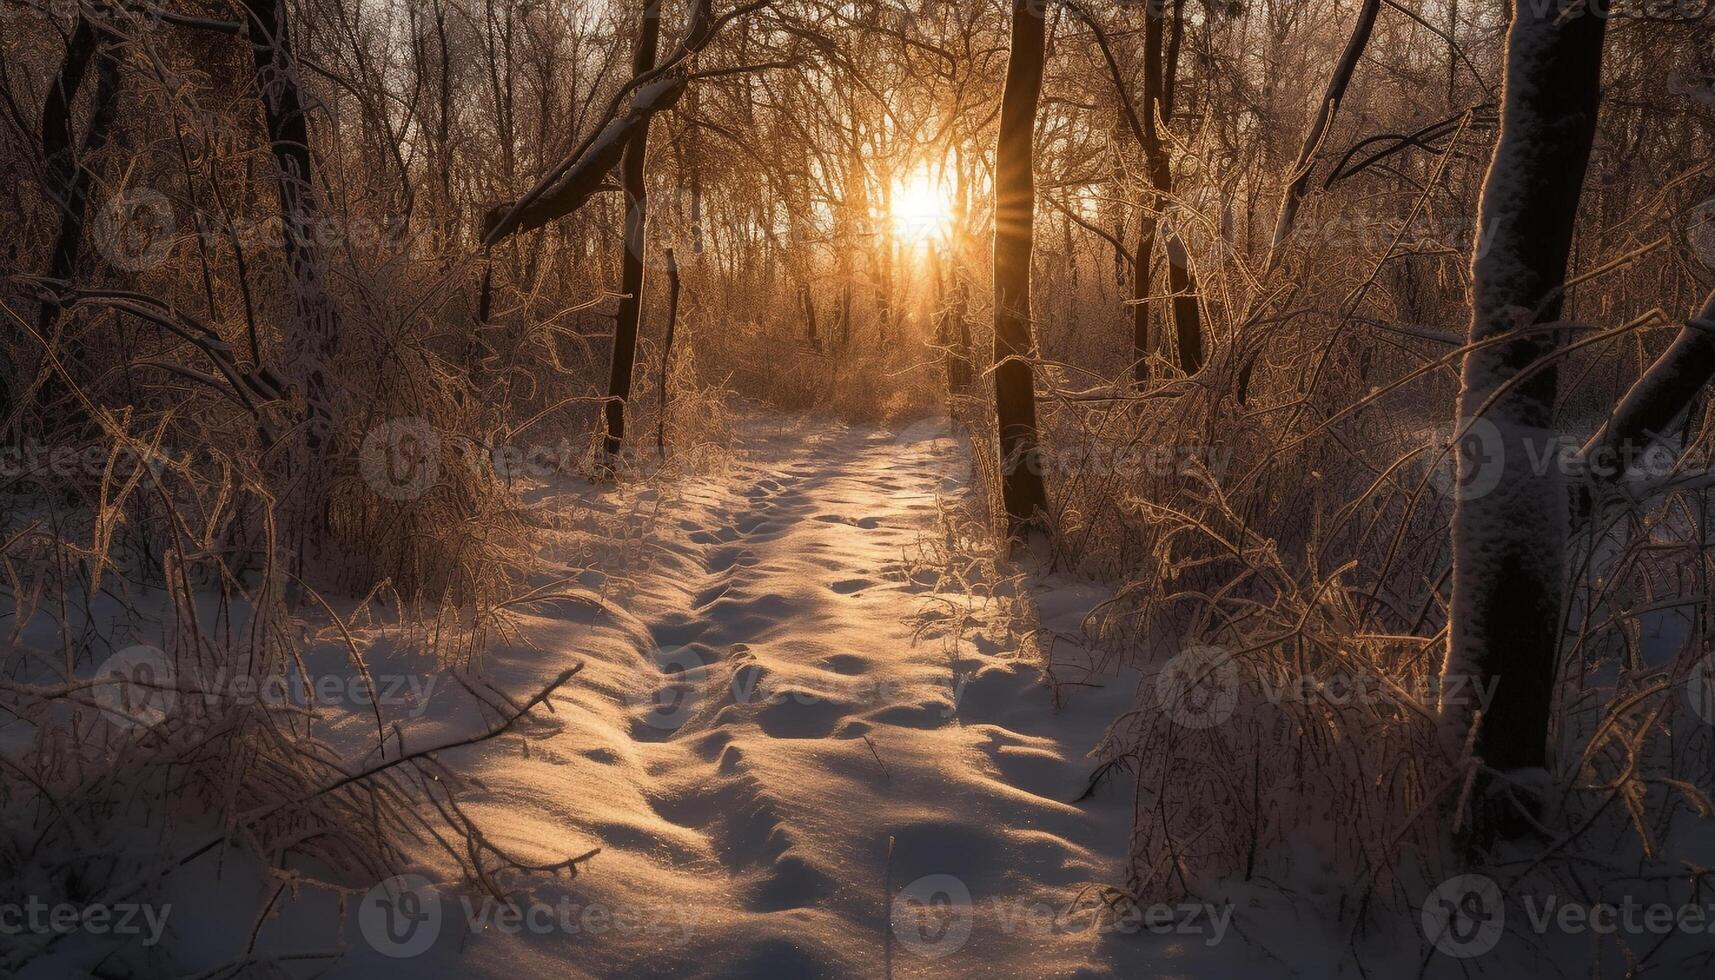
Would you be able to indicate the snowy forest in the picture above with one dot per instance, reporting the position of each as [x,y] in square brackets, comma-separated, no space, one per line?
[857,488]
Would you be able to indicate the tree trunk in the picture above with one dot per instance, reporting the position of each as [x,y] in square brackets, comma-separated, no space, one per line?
[1022,488]
[952,333]
[1160,71]
[314,340]
[65,157]
[966,370]
[1677,377]
[667,351]
[808,303]
[1142,344]
[695,165]
[633,182]
[1187,317]
[68,173]
[884,289]
[1331,99]
[1509,523]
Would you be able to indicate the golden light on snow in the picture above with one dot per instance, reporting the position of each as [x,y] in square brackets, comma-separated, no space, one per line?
[922,208]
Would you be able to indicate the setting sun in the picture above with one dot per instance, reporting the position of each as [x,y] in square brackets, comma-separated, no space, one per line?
[922,208]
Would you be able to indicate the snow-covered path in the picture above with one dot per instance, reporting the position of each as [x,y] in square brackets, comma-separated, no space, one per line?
[774,764]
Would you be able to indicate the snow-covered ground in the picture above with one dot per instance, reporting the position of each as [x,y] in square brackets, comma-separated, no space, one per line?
[805,740]
[788,766]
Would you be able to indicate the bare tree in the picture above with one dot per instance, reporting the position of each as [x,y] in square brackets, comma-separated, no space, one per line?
[68,171]
[1022,488]
[633,180]
[1304,167]
[314,340]
[667,350]
[1509,542]
[1664,391]
[570,185]
[1160,76]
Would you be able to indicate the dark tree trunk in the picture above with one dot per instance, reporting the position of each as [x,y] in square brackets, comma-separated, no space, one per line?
[1187,317]
[1022,488]
[1302,169]
[694,164]
[1668,388]
[884,289]
[69,179]
[1160,72]
[633,182]
[808,303]
[843,316]
[67,172]
[963,363]
[1142,343]
[313,342]
[1509,522]
[952,333]
[667,350]
[316,336]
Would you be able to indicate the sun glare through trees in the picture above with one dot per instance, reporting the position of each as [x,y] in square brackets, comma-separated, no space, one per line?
[922,209]
[856,488]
